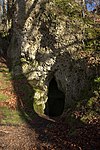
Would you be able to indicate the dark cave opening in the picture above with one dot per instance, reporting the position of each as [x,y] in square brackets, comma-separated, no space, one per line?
[56,100]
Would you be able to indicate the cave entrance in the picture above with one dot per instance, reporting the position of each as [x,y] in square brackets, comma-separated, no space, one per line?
[56,100]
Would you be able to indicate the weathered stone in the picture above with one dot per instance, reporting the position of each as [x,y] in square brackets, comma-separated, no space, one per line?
[46,43]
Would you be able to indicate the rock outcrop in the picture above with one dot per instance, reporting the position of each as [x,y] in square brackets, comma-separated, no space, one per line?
[48,43]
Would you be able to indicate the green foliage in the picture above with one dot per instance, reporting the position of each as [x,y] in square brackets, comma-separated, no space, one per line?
[97,80]
[92,35]
[3,97]
[10,116]
[69,7]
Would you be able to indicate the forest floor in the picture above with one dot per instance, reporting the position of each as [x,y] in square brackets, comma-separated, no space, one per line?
[22,129]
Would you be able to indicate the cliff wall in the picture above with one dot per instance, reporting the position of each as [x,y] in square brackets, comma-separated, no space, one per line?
[48,42]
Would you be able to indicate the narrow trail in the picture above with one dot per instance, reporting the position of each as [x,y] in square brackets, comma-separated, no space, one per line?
[22,129]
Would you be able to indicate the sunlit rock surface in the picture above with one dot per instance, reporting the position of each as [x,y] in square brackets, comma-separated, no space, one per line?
[48,43]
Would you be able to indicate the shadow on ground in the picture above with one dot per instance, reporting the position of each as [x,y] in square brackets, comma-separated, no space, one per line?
[57,135]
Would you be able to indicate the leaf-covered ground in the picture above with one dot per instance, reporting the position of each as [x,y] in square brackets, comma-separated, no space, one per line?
[22,129]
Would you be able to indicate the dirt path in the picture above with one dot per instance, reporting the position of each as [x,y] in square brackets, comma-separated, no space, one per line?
[17,138]
[22,129]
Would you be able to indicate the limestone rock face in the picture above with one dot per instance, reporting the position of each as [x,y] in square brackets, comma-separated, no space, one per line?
[47,43]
